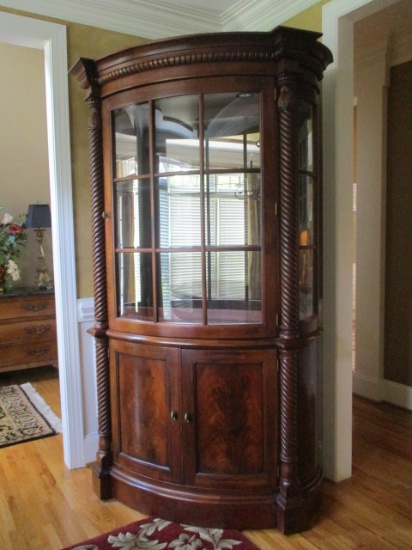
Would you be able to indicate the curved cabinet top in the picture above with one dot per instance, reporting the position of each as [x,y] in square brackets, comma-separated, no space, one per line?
[282,50]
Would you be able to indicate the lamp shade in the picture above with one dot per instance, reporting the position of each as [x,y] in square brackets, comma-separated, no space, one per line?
[38,216]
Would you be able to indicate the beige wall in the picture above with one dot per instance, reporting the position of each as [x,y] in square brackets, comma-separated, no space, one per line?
[24,173]
[83,41]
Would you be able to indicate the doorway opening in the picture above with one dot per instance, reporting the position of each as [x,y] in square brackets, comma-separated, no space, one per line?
[51,38]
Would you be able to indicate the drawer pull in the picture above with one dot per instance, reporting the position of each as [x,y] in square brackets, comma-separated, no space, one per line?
[39,307]
[174,415]
[37,330]
[38,352]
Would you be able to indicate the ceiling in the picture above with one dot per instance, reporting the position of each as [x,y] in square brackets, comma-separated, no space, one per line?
[216,7]
[154,19]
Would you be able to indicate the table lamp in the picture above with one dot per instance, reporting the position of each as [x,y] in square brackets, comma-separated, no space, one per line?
[38,218]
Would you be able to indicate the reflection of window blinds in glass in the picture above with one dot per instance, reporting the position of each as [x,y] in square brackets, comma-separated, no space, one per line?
[185,223]
[137,283]
[165,263]
[185,270]
[136,243]
[230,275]
[185,229]
[136,215]
[227,228]
[229,271]
[231,221]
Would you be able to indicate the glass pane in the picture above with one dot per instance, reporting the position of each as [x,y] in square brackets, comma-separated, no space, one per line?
[133,214]
[179,211]
[306,289]
[305,136]
[131,140]
[232,209]
[233,281]
[305,210]
[180,295]
[176,134]
[135,287]
[232,130]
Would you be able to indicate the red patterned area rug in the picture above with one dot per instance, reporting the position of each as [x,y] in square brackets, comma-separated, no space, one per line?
[158,534]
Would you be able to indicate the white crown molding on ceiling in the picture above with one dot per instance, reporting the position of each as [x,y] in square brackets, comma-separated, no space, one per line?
[262,15]
[156,19]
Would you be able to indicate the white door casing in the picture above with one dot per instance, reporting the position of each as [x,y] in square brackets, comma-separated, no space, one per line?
[51,38]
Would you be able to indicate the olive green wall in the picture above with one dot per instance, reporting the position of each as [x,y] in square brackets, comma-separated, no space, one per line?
[86,41]
[309,19]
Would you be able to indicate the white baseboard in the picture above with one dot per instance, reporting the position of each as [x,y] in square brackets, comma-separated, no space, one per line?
[85,316]
[397,394]
[91,445]
[366,387]
[383,390]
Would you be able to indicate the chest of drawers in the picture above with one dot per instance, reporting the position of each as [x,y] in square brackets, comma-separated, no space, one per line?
[27,330]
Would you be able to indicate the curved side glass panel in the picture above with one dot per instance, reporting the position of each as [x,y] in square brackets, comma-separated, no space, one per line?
[306,211]
[134,291]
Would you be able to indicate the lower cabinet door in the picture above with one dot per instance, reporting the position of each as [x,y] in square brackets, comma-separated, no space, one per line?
[145,400]
[202,419]
[230,419]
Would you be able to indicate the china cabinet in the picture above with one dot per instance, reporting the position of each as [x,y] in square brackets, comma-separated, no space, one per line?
[206,234]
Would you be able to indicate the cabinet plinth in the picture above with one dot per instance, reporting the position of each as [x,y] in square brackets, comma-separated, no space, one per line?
[206,226]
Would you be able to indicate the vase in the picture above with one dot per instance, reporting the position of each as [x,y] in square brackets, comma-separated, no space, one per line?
[3,273]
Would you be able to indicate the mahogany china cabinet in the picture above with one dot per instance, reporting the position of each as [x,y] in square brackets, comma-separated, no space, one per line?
[205,211]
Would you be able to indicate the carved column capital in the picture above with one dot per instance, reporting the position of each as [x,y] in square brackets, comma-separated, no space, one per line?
[287,91]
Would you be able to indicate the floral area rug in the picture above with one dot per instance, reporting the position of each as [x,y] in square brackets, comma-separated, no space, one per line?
[158,534]
[25,416]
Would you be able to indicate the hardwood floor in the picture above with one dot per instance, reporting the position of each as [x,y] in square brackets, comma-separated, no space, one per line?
[45,506]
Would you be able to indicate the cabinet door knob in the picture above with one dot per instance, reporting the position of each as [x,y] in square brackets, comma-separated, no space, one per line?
[188,418]
[105,215]
[174,415]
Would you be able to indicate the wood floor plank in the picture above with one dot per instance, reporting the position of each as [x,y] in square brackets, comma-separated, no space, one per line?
[45,506]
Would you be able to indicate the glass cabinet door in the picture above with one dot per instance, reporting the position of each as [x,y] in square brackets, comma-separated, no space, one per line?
[306,212]
[187,190]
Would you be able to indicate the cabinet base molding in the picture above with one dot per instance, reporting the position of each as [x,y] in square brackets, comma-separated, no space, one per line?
[180,504]
[101,481]
[234,511]
[300,513]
